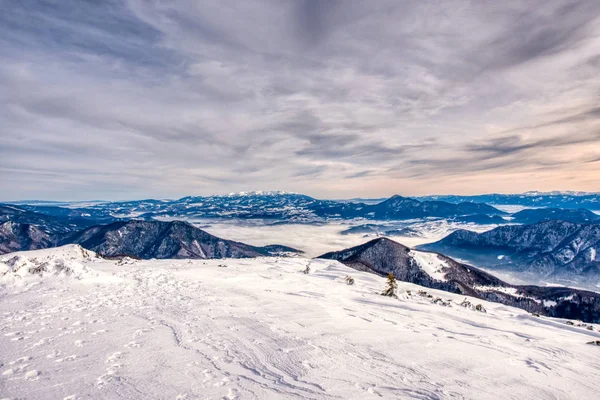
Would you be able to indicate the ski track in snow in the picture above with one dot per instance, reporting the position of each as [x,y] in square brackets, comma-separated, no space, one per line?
[261,329]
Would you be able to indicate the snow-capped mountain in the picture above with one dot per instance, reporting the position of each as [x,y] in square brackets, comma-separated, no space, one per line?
[261,329]
[400,208]
[551,249]
[265,205]
[432,270]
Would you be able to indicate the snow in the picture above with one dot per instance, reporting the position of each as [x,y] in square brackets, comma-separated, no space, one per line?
[511,208]
[261,329]
[65,261]
[508,290]
[430,263]
[592,254]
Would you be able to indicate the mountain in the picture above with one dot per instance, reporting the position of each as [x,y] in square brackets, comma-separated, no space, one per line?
[556,199]
[291,207]
[57,220]
[16,237]
[533,215]
[436,271]
[399,208]
[558,249]
[157,239]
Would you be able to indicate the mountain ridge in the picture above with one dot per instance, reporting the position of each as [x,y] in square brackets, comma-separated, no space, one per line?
[266,205]
[141,239]
[549,248]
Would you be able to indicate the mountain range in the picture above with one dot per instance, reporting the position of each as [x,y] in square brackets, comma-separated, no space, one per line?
[284,207]
[432,270]
[139,239]
[50,219]
[533,215]
[557,249]
[556,199]
[252,205]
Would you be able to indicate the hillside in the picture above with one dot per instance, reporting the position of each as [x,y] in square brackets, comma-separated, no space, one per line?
[15,237]
[139,239]
[156,239]
[432,270]
[535,215]
[552,248]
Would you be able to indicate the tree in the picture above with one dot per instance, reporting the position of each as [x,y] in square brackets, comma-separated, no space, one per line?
[392,286]
[307,269]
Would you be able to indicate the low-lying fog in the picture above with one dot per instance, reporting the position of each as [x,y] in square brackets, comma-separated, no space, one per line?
[315,239]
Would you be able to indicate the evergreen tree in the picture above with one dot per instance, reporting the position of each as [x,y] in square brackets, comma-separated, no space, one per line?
[392,286]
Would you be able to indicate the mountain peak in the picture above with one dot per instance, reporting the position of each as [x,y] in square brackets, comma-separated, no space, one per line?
[259,193]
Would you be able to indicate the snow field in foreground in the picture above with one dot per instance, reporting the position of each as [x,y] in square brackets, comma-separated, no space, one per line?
[261,329]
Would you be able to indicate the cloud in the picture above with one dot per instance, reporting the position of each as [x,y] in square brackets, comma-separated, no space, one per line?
[143,98]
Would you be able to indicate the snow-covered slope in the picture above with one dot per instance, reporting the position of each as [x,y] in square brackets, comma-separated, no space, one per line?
[64,261]
[261,329]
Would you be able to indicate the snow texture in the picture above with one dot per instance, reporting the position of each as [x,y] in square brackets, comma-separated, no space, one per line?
[261,329]
[431,263]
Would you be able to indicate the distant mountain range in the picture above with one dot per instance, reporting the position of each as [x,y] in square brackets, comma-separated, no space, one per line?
[293,207]
[399,208]
[15,236]
[289,207]
[534,215]
[58,219]
[140,239]
[554,199]
[432,270]
[557,249]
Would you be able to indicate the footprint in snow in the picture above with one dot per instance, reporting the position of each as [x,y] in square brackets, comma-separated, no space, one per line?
[32,375]
[20,360]
[114,357]
[232,394]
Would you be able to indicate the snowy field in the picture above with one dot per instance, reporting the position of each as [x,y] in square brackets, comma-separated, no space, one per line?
[261,329]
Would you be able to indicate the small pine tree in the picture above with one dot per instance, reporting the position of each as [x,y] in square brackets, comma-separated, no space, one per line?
[390,291]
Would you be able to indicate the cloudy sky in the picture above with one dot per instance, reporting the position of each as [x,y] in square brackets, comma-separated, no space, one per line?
[141,98]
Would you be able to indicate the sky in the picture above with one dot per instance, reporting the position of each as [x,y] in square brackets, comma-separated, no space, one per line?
[335,99]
